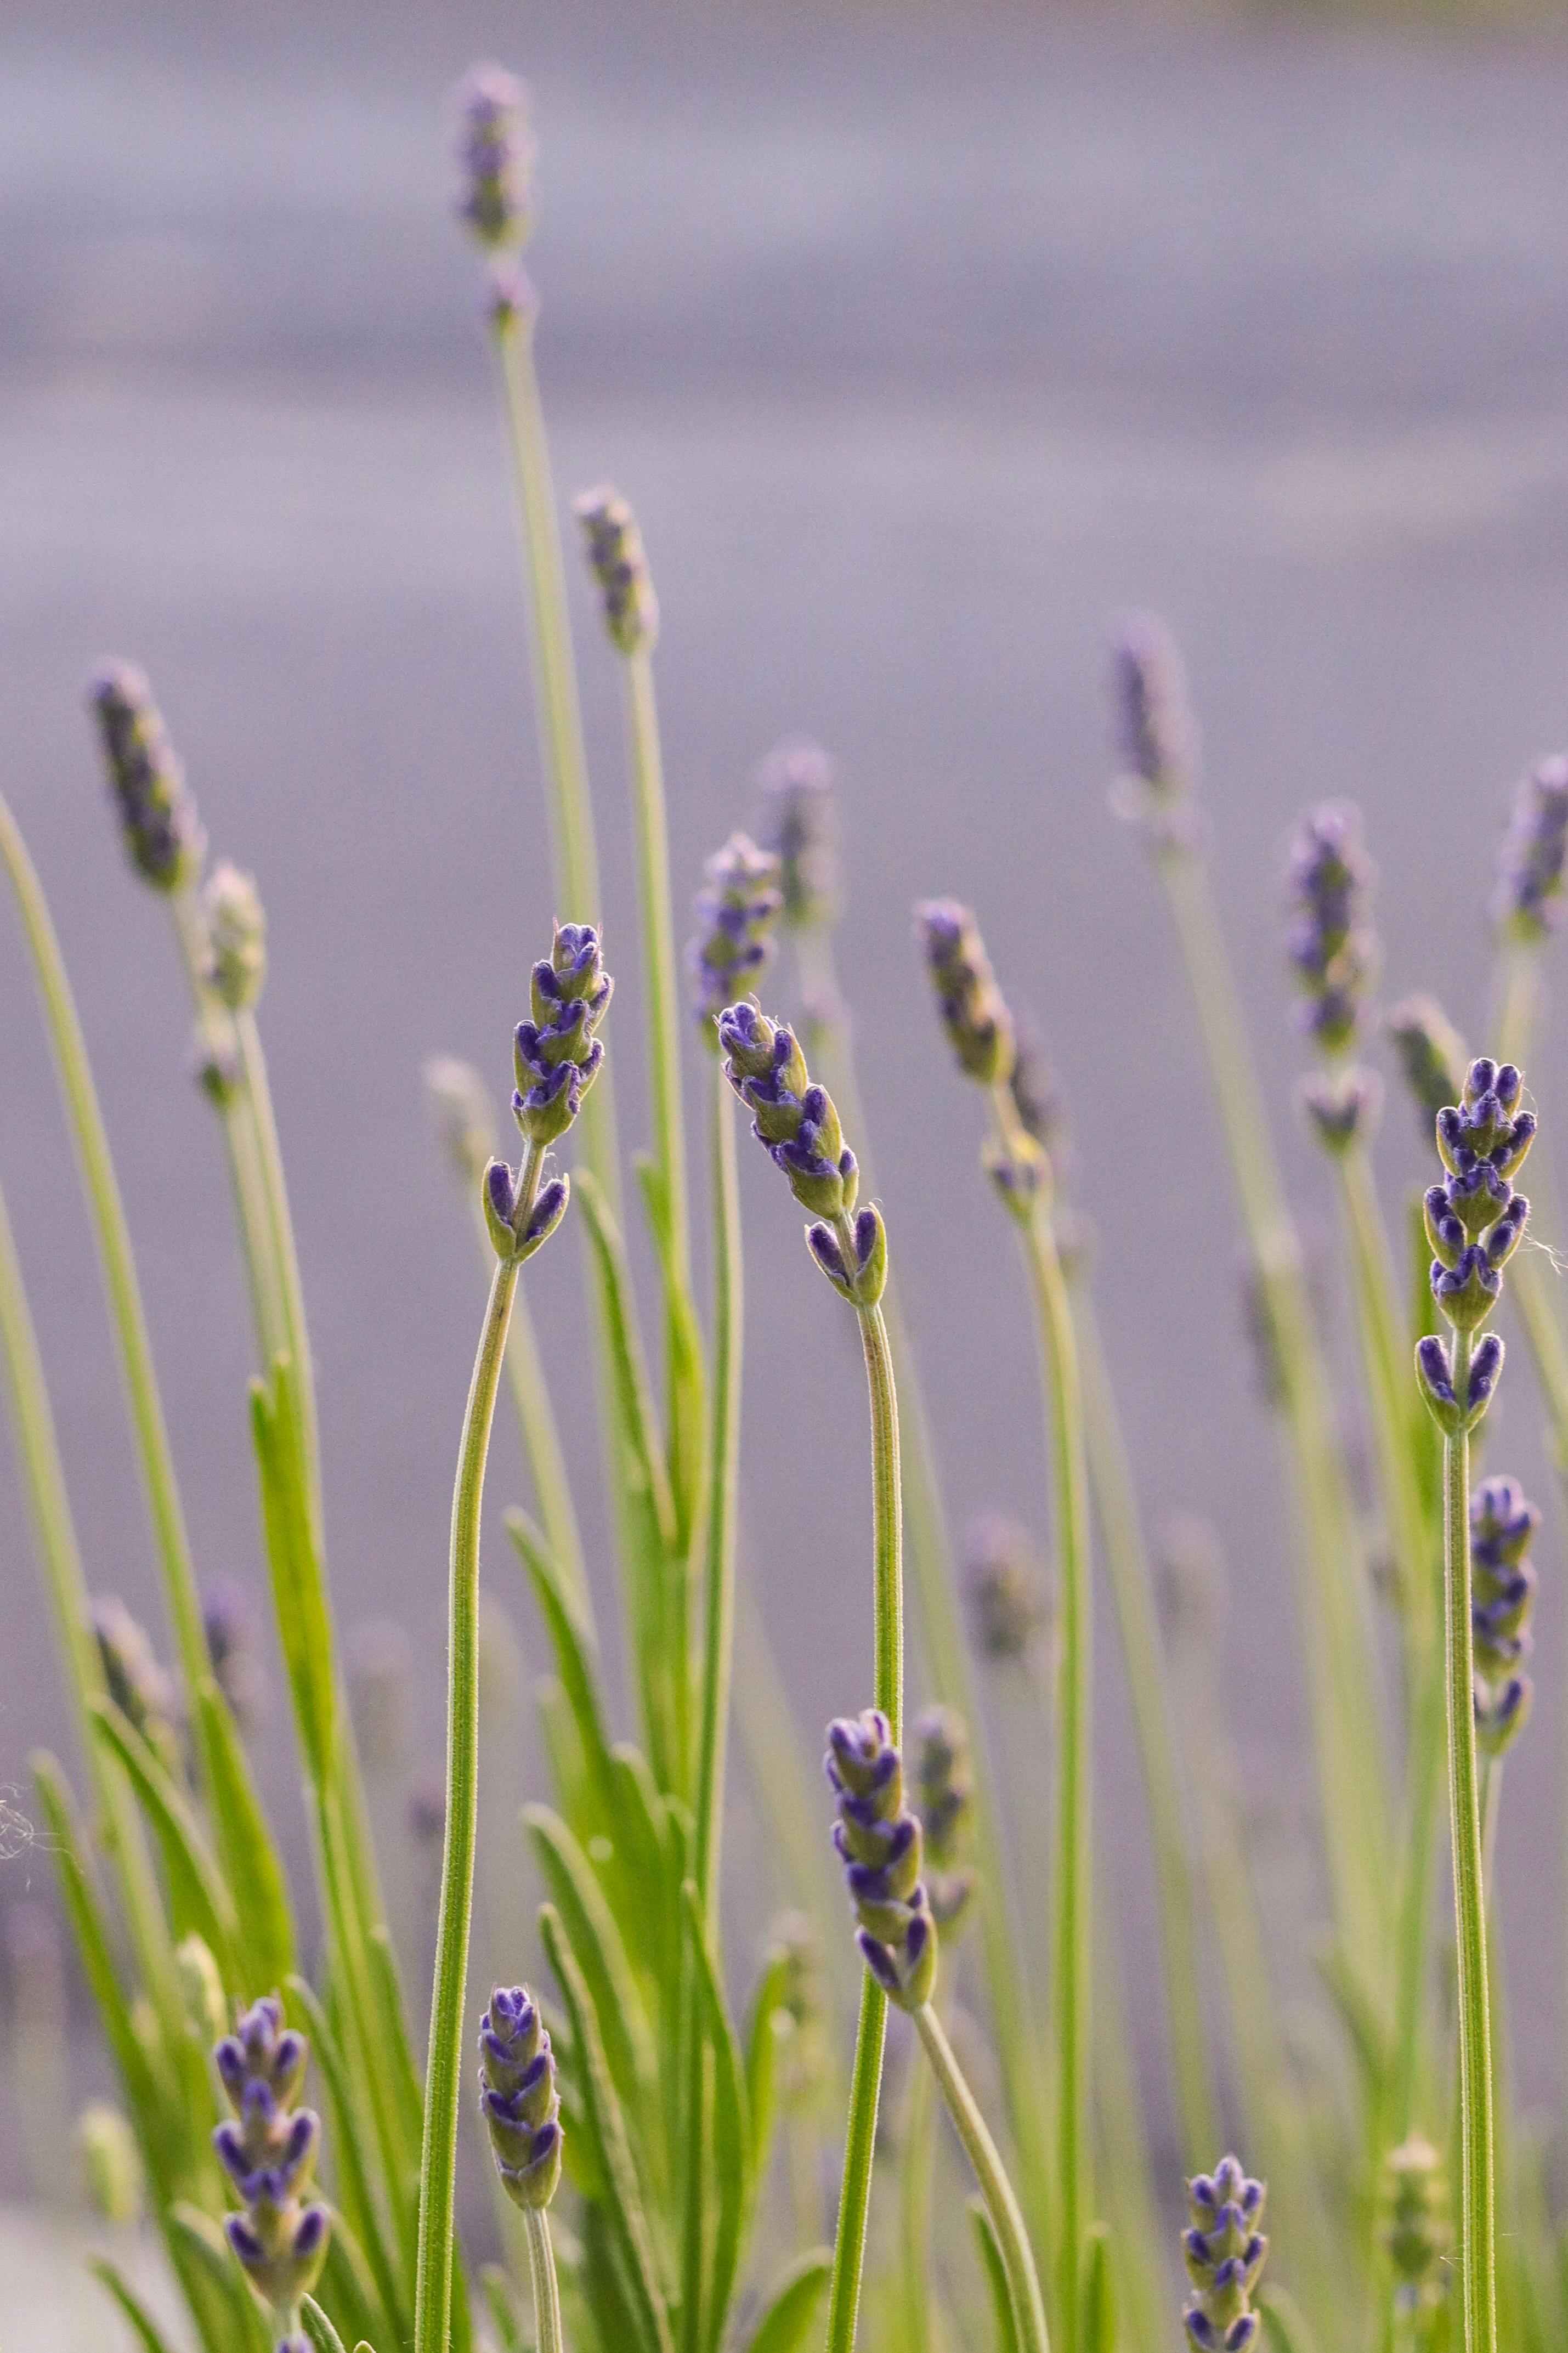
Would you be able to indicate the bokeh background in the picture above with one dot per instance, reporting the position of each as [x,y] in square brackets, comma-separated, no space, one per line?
[923,342]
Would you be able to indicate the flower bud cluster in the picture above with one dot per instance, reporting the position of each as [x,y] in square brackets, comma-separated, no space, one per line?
[1415,2228]
[495,156]
[944,1801]
[878,1841]
[235,924]
[1332,951]
[799,1127]
[157,815]
[517,2093]
[1527,905]
[1430,1053]
[737,911]
[1502,1594]
[1474,1222]
[269,2150]
[1224,2251]
[1154,735]
[557,1057]
[1005,1594]
[973,1013]
[139,1686]
[797,785]
[613,545]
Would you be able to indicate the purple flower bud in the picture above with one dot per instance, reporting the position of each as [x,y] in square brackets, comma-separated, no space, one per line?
[737,909]
[1223,2253]
[267,2148]
[1156,741]
[1527,905]
[978,1025]
[1330,948]
[518,2094]
[798,782]
[495,159]
[158,818]
[613,545]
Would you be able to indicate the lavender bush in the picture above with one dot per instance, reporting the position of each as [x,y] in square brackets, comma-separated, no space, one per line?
[667,2123]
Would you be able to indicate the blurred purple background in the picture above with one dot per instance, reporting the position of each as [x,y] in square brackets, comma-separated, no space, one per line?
[922,345]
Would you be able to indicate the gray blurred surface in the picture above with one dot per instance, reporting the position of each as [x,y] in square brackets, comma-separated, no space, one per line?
[923,347]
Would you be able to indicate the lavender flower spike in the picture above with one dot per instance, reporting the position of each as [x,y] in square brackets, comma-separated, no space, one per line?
[737,909]
[557,1057]
[1475,1221]
[157,816]
[1527,906]
[613,545]
[1224,2251]
[1006,1595]
[1502,1595]
[234,964]
[1155,739]
[978,1025]
[517,2093]
[945,1800]
[879,1842]
[495,156]
[798,787]
[139,1685]
[798,1124]
[269,2149]
[1330,947]
[1430,1052]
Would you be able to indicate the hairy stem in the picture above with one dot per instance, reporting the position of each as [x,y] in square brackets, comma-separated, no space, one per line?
[432,2290]
[1023,2283]
[850,2249]
[547,2336]
[1478,2261]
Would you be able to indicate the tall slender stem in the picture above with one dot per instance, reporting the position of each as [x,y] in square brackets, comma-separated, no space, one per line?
[575,859]
[659,949]
[1478,2258]
[433,2289]
[850,2249]
[995,2187]
[547,2336]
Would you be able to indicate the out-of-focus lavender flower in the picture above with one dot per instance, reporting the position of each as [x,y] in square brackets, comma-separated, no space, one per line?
[1475,1221]
[158,819]
[495,155]
[139,1686]
[802,2057]
[944,1801]
[269,2150]
[798,1125]
[234,962]
[1006,1591]
[613,545]
[1431,1055]
[799,789]
[1415,2234]
[426,1809]
[973,1013]
[518,2095]
[233,1646]
[464,1114]
[1341,1105]
[1224,2250]
[1526,904]
[1502,1595]
[1037,1099]
[1155,739]
[878,1841]
[737,909]
[1332,951]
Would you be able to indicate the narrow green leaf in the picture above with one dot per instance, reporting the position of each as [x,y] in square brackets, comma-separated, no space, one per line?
[148,2333]
[792,2304]
[502,2309]
[683,1341]
[635,1419]
[323,2336]
[198,1896]
[596,1943]
[203,2243]
[293,1554]
[397,2048]
[761,2057]
[995,2272]
[731,2143]
[1284,2323]
[656,1849]
[602,2111]
[1098,2292]
[576,1661]
[349,2138]
[252,1866]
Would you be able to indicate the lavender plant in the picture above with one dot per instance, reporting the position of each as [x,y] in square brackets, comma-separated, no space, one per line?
[628,2096]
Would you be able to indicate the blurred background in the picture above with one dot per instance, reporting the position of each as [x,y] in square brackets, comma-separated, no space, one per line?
[923,342]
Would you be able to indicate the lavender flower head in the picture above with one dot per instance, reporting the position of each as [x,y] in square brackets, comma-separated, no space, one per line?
[944,1799]
[973,1014]
[464,1114]
[518,2095]
[799,787]
[1155,738]
[798,1125]
[1474,1222]
[1502,1594]
[557,1057]
[1430,1053]
[158,818]
[1224,2251]
[613,545]
[1527,905]
[495,155]
[1332,951]
[139,1686]
[1011,1614]
[269,2150]
[737,909]
[234,962]
[879,1842]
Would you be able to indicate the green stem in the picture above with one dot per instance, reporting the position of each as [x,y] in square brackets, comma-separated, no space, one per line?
[576,854]
[540,1437]
[280,1228]
[850,2249]
[1477,2248]
[113,1239]
[433,2291]
[916,2170]
[658,951]
[1133,1594]
[547,2336]
[995,2187]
